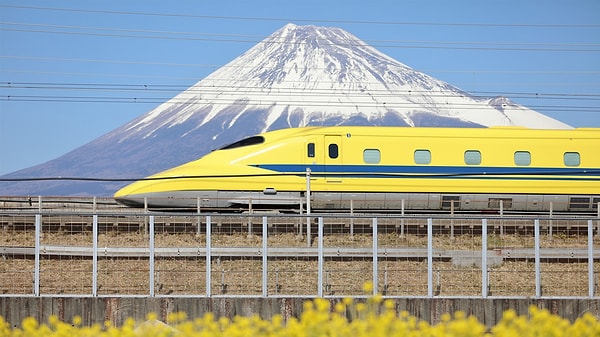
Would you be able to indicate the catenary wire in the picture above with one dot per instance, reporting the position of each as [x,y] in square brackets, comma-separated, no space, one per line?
[495,46]
[369,22]
[216,88]
[356,105]
[251,38]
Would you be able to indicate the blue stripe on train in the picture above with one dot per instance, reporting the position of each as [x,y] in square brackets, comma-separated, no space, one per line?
[383,171]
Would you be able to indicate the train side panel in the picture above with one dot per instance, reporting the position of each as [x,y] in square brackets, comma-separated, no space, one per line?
[393,168]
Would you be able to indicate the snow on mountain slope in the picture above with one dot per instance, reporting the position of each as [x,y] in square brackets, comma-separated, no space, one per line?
[323,73]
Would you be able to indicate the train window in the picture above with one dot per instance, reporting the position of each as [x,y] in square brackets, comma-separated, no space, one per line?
[422,157]
[371,156]
[333,151]
[245,142]
[572,159]
[311,150]
[472,157]
[579,203]
[522,158]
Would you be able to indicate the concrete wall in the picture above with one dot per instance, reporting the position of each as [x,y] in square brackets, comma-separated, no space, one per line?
[117,309]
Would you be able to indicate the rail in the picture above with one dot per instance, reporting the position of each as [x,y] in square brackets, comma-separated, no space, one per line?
[590,207]
[266,255]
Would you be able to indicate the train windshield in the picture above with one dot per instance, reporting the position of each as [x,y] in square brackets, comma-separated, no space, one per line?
[245,142]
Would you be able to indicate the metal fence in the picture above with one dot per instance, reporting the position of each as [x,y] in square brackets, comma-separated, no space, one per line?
[268,255]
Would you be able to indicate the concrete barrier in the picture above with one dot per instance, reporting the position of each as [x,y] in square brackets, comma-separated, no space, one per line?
[117,309]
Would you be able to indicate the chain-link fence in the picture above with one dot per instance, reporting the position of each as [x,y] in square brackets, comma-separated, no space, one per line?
[191,254]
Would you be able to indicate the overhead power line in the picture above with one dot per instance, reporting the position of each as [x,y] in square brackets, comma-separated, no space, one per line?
[155,90]
[194,36]
[217,66]
[120,31]
[282,19]
[250,89]
[593,74]
[65,59]
[357,104]
[239,38]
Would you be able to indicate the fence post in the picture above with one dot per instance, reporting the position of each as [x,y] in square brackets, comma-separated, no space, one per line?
[501,217]
[484,275]
[308,207]
[375,257]
[429,257]
[590,258]
[198,211]
[250,218]
[208,255]
[538,279]
[264,257]
[551,214]
[598,222]
[351,218]
[95,255]
[452,218]
[145,212]
[320,259]
[402,219]
[36,270]
[151,256]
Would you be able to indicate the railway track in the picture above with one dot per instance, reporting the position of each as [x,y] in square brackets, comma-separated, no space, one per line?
[79,222]
[109,205]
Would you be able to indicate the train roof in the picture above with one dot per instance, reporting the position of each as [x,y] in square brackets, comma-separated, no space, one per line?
[438,132]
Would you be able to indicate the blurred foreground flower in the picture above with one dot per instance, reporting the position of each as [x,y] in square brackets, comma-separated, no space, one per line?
[321,317]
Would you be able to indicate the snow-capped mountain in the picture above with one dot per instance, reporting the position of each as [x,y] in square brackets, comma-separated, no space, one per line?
[298,76]
[315,75]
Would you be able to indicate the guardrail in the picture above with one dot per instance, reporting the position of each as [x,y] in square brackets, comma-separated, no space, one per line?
[207,255]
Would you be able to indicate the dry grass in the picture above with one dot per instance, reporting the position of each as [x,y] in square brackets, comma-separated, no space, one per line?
[290,276]
[393,239]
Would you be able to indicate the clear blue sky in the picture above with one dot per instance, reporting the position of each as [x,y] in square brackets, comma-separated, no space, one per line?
[71,71]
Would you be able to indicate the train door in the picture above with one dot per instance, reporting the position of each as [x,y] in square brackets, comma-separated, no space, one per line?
[313,155]
[333,158]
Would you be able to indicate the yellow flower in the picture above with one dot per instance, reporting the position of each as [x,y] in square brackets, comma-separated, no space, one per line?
[340,307]
[322,305]
[367,320]
[29,324]
[308,305]
[376,299]
[151,316]
[389,305]
[53,320]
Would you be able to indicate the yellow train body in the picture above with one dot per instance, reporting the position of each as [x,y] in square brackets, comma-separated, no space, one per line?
[387,160]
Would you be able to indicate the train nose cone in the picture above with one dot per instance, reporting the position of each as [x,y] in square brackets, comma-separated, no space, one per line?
[128,196]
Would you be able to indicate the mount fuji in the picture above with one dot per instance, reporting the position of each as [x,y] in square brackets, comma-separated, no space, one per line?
[298,76]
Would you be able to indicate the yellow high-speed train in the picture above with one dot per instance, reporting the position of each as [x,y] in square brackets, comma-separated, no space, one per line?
[387,168]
